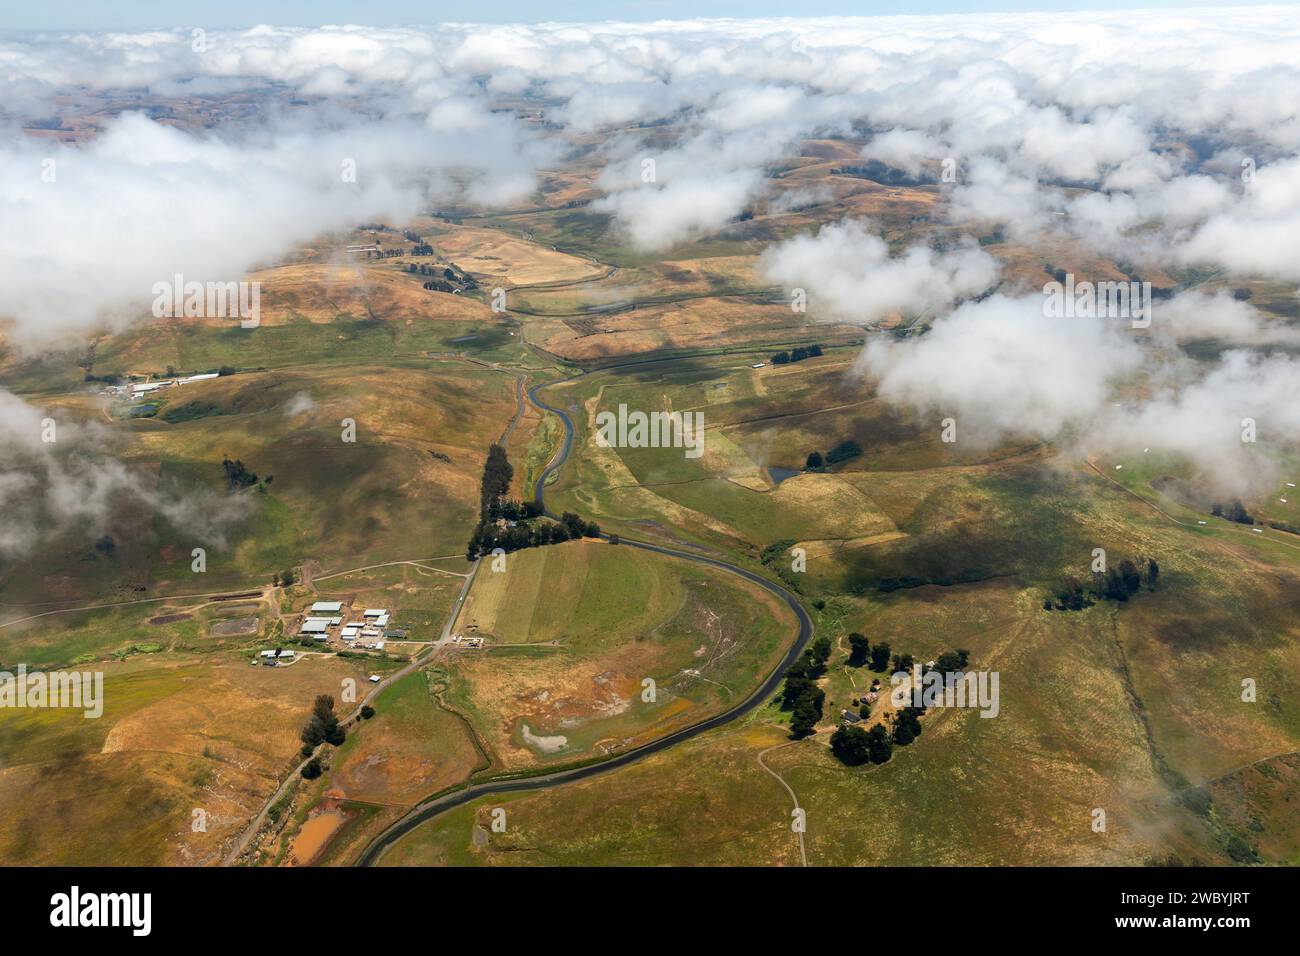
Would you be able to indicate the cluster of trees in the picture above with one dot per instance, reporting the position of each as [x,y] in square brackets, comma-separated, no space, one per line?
[1118,583]
[421,249]
[881,173]
[796,355]
[842,452]
[1235,512]
[907,725]
[322,726]
[491,535]
[801,695]
[951,662]
[238,475]
[855,746]
[284,579]
[861,652]
[495,483]
[504,522]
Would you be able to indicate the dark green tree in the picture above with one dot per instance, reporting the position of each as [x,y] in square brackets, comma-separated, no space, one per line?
[852,745]
[859,649]
[878,745]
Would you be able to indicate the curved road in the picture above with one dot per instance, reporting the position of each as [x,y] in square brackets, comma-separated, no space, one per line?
[429,809]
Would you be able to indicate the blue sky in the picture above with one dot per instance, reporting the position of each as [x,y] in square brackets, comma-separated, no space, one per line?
[144,14]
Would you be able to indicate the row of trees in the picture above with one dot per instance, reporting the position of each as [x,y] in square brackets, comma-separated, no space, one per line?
[1235,512]
[423,270]
[801,695]
[1118,583]
[509,524]
[881,173]
[842,452]
[775,558]
[516,536]
[322,726]
[797,354]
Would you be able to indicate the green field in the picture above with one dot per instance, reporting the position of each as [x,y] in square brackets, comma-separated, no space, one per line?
[574,631]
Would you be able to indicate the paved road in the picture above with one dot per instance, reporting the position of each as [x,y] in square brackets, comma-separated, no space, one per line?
[429,809]
[454,615]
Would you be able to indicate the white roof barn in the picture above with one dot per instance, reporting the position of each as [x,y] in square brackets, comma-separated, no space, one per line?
[327,607]
[315,625]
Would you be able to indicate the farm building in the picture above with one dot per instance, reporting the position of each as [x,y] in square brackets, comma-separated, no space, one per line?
[375,612]
[315,625]
[327,607]
[140,388]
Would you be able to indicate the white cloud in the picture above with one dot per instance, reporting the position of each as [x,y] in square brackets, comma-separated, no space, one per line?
[1000,368]
[849,274]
